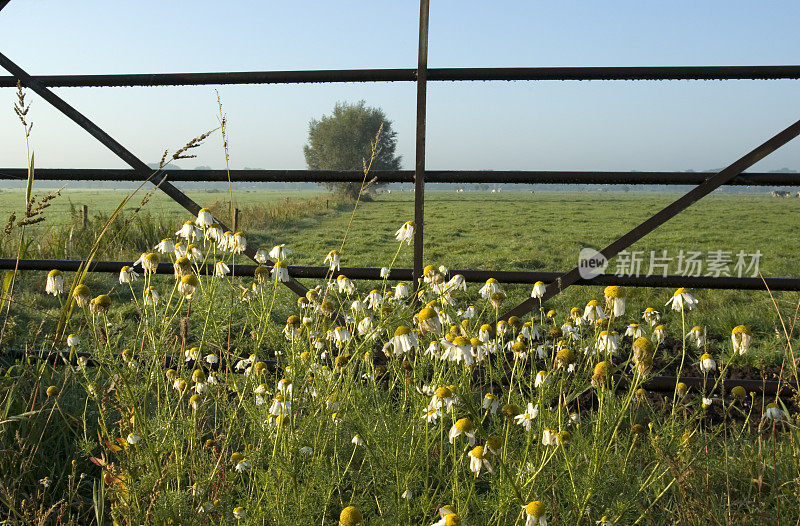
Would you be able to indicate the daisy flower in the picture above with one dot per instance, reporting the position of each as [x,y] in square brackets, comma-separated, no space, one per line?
[534,514]
[682,299]
[593,311]
[204,218]
[478,460]
[464,427]
[405,232]
[279,252]
[334,259]
[615,300]
[525,419]
[539,289]
[55,283]
[490,288]
[741,337]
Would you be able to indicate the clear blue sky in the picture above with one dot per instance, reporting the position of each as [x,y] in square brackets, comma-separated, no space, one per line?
[674,125]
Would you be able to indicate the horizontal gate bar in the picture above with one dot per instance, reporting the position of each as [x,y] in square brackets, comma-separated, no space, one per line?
[407,176]
[473,276]
[409,75]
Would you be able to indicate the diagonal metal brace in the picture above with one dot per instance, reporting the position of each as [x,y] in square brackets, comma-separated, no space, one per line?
[158,178]
[661,217]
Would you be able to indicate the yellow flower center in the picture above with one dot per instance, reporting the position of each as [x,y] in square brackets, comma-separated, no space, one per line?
[464,425]
[535,509]
[350,516]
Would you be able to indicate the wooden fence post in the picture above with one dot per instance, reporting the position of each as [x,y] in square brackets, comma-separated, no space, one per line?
[85,216]
[236,219]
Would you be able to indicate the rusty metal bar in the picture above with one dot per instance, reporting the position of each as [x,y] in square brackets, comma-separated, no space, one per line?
[407,176]
[419,166]
[120,151]
[667,213]
[409,75]
[472,276]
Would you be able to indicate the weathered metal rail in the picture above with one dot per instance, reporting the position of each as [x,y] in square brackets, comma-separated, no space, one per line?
[472,276]
[407,176]
[641,73]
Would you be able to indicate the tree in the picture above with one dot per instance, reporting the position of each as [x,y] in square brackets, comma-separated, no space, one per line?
[343,141]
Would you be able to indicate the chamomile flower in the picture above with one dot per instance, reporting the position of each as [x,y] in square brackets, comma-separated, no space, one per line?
[339,336]
[179,250]
[261,256]
[448,518]
[431,415]
[214,233]
[345,284]
[404,340]
[350,516]
[188,285]
[464,427]
[148,261]
[429,322]
[55,283]
[773,412]
[100,304]
[593,311]
[526,419]
[221,269]
[741,337]
[239,513]
[534,514]
[151,296]
[459,350]
[651,316]
[681,300]
[357,440]
[165,246]
[491,403]
[549,437]
[181,267]
[707,363]
[374,299]
[280,252]
[280,272]
[485,333]
[188,231]
[127,275]
[478,460]
[659,333]
[490,288]
[194,254]
[608,342]
[406,232]
[239,244]
[73,340]
[401,291]
[333,259]
[384,273]
[457,282]
[615,300]
[539,289]
[541,379]
[204,218]
[81,295]
[133,439]
[634,330]
[697,336]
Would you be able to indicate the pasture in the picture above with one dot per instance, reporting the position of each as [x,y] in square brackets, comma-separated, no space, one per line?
[222,400]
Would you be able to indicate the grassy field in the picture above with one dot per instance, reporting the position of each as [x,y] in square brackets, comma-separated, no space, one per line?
[481,230]
[446,424]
